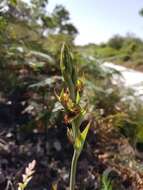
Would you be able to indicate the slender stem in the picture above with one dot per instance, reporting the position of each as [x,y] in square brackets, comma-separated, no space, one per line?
[73,169]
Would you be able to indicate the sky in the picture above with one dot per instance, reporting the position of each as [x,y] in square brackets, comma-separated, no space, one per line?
[99,20]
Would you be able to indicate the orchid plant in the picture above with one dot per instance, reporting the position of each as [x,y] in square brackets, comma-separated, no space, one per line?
[70,98]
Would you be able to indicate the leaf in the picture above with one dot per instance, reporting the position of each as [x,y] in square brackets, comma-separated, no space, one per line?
[79,141]
[77,98]
[85,132]
[106,182]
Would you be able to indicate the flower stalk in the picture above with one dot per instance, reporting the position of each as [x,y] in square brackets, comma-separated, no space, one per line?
[73,169]
[70,99]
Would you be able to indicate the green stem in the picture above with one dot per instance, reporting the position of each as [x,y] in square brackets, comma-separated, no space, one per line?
[73,169]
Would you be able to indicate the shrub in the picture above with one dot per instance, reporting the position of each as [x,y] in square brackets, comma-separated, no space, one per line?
[116,42]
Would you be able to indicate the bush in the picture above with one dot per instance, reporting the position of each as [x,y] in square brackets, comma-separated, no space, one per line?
[116,42]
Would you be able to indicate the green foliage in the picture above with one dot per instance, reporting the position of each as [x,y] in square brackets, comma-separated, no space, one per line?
[29,57]
[106,52]
[120,50]
[116,42]
[105,97]
[130,120]
[106,183]
[21,35]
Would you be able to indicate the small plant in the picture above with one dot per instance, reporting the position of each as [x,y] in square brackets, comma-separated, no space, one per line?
[106,183]
[70,98]
[27,176]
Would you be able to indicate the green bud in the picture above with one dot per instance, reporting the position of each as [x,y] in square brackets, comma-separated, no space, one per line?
[68,70]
